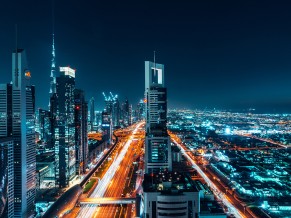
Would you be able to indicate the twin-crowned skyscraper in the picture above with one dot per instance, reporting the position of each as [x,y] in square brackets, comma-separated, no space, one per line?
[157,146]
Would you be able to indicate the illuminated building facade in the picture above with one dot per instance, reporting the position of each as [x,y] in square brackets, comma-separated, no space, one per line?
[165,193]
[140,110]
[92,114]
[5,110]
[157,147]
[113,108]
[106,127]
[6,178]
[23,130]
[53,69]
[170,194]
[64,127]
[44,122]
[126,113]
[81,131]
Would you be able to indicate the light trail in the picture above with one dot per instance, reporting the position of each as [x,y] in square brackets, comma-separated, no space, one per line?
[89,210]
[217,192]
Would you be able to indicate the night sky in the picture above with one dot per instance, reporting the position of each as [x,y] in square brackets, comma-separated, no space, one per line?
[222,54]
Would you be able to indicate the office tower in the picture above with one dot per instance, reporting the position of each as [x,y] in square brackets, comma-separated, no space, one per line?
[125,112]
[113,108]
[106,127]
[44,122]
[23,108]
[157,147]
[116,113]
[129,119]
[140,110]
[92,114]
[5,110]
[6,178]
[165,193]
[64,127]
[81,132]
[98,117]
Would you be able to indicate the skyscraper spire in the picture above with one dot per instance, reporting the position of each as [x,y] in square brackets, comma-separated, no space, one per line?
[53,63]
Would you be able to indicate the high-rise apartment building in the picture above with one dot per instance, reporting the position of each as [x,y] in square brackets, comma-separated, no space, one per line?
[23,131]
[157,146]
[6,178]
[92,114]
[140,110]
[5,110]
[81,131]
[106,126]
[44,122]
[63,107]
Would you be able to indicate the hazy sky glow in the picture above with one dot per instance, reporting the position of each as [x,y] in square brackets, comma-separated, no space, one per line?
[223,54]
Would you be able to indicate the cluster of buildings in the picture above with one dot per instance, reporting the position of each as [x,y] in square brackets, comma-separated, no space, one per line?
[247,152]
[48,149]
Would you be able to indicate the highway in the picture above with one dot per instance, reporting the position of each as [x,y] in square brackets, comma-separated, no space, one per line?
[121,179]
[111,184]
[217,192]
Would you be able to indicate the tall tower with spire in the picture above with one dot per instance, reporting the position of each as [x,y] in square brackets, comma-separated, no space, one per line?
[53,61]
[53,69]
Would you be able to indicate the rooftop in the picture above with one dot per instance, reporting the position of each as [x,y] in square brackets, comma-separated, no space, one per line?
[173,182]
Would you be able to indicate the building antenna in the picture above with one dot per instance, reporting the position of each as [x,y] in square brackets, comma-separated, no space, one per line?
[53,16]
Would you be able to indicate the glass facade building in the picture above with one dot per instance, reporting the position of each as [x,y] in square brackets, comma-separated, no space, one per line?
[64,127]
[6,178]
[23,130]
[157,142]
[81,131]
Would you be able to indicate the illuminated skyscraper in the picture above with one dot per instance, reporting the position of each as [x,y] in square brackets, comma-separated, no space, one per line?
[92,113]
[5,110]
[157,147]
[53,61]
[6,178]
[165,193]
[64,127]
[106,124]
[23,108]
[140,110]
[44,122]
[81,131]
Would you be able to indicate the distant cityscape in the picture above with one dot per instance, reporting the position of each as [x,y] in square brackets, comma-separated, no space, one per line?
[144,161]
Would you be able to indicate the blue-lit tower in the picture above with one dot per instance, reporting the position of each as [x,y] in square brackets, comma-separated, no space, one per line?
[53,68]
[64,127]
[23,133]
[157,146]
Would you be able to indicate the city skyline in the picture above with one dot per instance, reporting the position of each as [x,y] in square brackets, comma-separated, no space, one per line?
[232,55]
[201,129]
